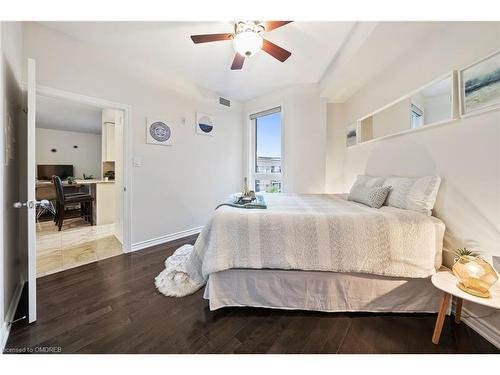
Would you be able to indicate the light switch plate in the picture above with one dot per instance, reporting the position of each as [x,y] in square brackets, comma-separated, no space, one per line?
[137,161]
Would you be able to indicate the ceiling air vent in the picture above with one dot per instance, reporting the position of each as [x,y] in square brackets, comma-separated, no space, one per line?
[225,102]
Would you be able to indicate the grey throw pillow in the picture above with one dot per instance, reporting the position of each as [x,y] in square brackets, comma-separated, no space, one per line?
[373,196]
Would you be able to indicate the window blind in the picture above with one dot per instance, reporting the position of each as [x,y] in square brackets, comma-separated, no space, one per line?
[265,113]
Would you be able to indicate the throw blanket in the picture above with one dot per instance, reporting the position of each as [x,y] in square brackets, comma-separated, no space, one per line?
[308,232]
[259,202]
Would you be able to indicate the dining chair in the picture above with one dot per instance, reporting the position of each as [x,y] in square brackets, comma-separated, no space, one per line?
[85,201]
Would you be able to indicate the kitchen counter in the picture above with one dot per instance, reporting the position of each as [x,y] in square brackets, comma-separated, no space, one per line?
[102,191]
[77,182]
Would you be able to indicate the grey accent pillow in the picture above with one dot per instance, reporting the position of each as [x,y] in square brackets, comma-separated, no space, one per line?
[372,196]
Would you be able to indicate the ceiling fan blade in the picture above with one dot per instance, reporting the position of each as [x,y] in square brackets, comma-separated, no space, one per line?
[237,62]
[275,51]
[210,38]
[271,25]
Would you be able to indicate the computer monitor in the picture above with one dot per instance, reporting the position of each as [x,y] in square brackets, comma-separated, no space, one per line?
[45,171]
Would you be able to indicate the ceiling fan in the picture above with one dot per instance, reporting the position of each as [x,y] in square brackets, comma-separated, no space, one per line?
[247,40]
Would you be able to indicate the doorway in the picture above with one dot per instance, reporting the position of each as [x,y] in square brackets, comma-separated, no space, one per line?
[80,217]
[30,206]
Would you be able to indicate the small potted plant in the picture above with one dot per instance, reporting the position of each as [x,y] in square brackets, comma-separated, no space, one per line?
[71,179]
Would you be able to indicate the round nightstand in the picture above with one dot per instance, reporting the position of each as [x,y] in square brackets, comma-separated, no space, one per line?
[446,281]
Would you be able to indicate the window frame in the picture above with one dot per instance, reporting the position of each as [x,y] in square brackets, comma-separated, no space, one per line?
[252,175]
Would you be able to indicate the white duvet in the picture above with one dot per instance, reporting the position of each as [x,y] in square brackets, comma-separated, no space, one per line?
[308,232]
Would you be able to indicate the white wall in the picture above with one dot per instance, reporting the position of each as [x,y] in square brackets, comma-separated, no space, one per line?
[303,136]
[85,159]
[465,153]
[11,271]
[177,187]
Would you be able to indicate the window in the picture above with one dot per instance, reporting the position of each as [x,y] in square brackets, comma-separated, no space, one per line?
[417,117]
[266,151]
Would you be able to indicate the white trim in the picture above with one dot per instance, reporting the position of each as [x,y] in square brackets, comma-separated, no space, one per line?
[127,147]
[30,165]
[404,132]
[2,193]
[9,316]
[486,330]
[163,239]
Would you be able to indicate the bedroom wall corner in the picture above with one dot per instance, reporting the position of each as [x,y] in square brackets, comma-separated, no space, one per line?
[335,155]
[304,135]
[465,152]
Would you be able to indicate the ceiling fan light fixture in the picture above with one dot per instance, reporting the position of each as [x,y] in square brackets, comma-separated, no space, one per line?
[247,43]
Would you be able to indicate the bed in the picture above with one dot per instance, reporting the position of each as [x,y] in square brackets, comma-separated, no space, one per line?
[312,252]
[321,291]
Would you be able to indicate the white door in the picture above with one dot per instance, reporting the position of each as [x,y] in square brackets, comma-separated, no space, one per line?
[28,150]
[31,202]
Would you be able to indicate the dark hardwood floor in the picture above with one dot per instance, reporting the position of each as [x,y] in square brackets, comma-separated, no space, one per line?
[112,306]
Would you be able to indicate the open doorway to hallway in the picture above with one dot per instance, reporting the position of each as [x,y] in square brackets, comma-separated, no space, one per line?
[79,179]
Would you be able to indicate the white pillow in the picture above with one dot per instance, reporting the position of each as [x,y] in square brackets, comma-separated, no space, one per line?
[368,181]
[416,194]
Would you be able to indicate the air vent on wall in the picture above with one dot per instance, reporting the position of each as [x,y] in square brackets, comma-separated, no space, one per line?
[225,102]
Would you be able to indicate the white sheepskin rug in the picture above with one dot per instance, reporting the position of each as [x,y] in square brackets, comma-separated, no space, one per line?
[174,281]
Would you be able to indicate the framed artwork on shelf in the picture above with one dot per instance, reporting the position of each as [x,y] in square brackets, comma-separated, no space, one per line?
[480,85]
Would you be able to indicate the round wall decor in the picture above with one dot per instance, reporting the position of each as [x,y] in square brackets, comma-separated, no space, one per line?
[159,133]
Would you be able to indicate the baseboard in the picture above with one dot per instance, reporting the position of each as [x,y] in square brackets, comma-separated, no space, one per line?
[486,330]
[9,317]
[163,239]
[489,332]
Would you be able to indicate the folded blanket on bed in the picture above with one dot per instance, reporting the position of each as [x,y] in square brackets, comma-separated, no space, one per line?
[308,232]
[259,202]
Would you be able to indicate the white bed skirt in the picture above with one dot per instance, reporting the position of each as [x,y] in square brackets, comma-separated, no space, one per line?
[320,291]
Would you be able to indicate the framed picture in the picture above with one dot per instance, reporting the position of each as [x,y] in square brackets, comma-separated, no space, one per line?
[158,132]
[351,134]
[205,124]
[480,85]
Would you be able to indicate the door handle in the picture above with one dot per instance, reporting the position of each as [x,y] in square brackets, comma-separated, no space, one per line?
[31,204]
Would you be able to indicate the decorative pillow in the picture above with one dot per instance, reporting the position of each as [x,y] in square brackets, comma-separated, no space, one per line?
[373,196]
[416,194]
[369,181]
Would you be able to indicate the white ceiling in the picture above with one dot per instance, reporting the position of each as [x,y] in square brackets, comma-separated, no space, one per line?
[371,48]
[58,114]
[167,47]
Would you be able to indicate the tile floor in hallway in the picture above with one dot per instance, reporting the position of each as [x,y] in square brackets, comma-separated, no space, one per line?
[78,243]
